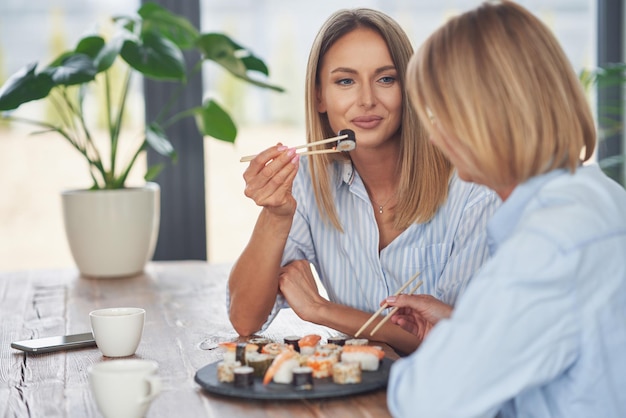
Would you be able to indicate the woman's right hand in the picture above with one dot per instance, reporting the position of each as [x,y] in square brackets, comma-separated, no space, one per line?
[269,179]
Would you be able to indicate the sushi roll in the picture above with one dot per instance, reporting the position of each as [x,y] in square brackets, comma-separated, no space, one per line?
[308,343]
[237,351]
[293,341]
[357,341]
[226,371]
[346,144]
[244,376]
[367,356]
[260,362]
[274,349]
[303,378]
[260,342]
[340,341]
[328,350]
[281,369]
[345,373]
[322,366]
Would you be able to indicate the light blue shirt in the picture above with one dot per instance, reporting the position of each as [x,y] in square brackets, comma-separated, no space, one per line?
[541,329]
[447,250]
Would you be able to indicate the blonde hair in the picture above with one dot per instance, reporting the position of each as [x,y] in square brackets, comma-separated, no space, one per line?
[424,171]
[497,82]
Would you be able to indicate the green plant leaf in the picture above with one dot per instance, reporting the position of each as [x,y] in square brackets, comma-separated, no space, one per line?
[157,139]
[90,46]
[214,121]
[234,58]
[74,69]
[129,23]
[154,56]
[253,63]
[153,171]
[108,53]
[24,86]
[175,28]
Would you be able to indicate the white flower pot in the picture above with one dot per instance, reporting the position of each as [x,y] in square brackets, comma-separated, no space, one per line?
[112,233]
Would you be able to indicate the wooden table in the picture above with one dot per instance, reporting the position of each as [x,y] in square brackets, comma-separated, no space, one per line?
[185,318]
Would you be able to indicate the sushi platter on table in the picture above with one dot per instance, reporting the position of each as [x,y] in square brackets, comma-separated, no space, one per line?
[298,368]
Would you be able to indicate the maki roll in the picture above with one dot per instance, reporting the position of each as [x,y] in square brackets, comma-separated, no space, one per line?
[244,376]
[293,341]
[237,351]
[303,378]
[260,342]
[322,366]
[226,371]
[340,341]
[345,373]
[274,349]
[260,362]
[357,341]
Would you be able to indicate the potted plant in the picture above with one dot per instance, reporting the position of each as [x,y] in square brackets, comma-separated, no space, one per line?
[112,228]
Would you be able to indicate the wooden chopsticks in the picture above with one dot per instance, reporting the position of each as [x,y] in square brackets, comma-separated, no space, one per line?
[394,310]
[312,144]
[385,305]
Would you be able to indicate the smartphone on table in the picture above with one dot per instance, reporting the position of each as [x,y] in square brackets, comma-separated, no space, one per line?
[58,343]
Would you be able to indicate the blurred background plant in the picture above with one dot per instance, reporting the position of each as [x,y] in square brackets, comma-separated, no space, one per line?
[610,113]
[151,43]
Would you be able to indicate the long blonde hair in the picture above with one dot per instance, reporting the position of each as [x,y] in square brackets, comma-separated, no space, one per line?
[424,171]
[496,80]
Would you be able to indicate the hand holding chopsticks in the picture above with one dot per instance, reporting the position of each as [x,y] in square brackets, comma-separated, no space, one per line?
[385,305]
[394,310]
[346,141]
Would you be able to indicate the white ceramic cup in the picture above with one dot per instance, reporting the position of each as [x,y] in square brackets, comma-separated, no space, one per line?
[117,331]
[124,388]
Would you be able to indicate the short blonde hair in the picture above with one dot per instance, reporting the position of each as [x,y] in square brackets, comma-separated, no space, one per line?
[424,171]
[496,80]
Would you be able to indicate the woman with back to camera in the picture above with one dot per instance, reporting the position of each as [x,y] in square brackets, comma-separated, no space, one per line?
[369,219]
[541,328]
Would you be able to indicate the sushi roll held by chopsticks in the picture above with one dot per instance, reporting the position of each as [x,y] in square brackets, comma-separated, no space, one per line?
[346,141]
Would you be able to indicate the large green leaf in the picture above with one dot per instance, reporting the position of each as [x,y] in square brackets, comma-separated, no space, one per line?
[108,53]
[90,46]
[175,28]
[154,56]
[156,138]
[74,69]
[214,121]
[237,60]
[24,86]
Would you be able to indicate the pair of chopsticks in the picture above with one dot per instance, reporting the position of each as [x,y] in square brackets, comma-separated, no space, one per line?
[385,306]
[312,144]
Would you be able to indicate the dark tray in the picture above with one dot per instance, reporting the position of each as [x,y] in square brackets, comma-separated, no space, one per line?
[206,377]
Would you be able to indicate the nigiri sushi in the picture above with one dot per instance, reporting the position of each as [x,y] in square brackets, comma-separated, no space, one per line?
[368,356]
[308,343]
[281,369]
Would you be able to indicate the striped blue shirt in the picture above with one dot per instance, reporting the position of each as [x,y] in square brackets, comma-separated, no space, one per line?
[541,329]
[447,250]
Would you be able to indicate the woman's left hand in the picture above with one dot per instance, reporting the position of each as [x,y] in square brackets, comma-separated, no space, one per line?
[418,314]
[298,286]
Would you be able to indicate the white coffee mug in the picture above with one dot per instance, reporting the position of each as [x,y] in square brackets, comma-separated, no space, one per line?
[117,331]
[124,388]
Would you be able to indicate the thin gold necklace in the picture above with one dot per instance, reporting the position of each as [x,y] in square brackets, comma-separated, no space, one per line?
[380,207]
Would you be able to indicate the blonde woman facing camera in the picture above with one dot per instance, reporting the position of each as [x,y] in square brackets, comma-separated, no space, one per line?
[541,329]
[369,219]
